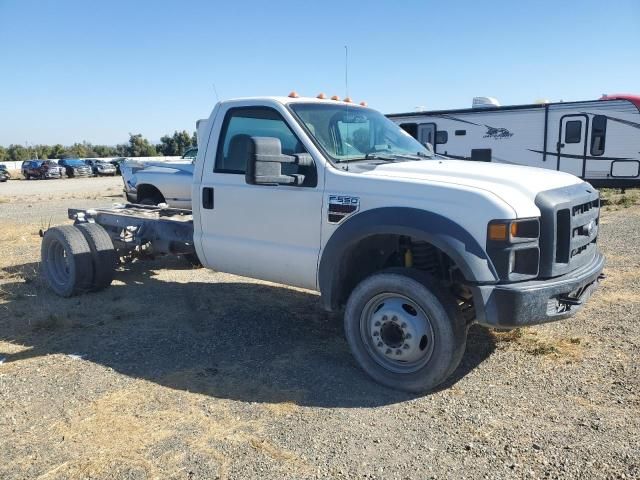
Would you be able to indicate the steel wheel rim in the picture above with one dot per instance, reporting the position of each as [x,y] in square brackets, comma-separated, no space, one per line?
[58,263]
[397,333]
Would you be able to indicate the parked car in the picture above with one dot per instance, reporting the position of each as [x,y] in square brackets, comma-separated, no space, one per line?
[100,167]
[4,174]
[41,169]
[116,162]
[75,167]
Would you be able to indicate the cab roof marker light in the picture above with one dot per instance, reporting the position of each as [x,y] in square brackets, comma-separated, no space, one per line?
[294,94]
[363,104]
[321,96]
[347,100]
[335,97]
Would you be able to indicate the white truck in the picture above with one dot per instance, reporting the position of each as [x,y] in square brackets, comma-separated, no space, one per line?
[154,183]
[334,197]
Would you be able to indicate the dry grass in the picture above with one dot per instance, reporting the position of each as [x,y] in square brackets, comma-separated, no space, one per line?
[538,343]
[614,199]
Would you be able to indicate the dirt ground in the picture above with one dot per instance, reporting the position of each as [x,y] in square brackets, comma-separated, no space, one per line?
[175,372]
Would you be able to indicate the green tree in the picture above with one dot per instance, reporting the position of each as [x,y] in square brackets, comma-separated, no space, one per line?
[17,153]
[3,154]
[140,147]
[56,151]
[175,144]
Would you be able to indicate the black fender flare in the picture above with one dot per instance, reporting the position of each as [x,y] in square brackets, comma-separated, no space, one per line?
[440,231]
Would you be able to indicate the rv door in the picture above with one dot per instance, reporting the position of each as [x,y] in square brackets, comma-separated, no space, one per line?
[572,144]
[427,133]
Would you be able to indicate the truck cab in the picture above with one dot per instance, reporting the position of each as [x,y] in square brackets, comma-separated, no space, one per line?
[334,197]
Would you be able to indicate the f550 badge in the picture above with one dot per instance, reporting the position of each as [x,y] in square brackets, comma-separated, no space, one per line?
[342,206]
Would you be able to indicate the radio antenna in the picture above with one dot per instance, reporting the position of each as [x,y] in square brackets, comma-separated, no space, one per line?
[346,70]
[215,90]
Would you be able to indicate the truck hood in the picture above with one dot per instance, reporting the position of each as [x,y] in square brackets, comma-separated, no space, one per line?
[514,184]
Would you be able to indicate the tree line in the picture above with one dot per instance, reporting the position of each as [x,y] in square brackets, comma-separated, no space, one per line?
[138,146]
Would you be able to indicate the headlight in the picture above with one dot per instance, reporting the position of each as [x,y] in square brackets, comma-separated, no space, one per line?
[513,246]
[513,231]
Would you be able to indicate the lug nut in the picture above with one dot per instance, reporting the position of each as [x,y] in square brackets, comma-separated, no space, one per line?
[384,318]
[376,333]
[388,352]
[404,325]
[380,344]
[394,318]
[398,352]
[407,336]
[377,324]
[406,346]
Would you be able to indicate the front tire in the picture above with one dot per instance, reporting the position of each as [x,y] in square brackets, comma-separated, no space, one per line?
[405,330]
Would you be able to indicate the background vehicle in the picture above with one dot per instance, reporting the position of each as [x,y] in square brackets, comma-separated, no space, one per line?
[598,140]
[4,174]
[100,167]
[116,162]
[334,197]
[75,167]
[41,169]
[152,183]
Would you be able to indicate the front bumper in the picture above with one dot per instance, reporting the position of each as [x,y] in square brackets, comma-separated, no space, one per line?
[537,301]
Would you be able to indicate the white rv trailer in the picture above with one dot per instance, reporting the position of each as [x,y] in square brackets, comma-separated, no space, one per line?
[597,140]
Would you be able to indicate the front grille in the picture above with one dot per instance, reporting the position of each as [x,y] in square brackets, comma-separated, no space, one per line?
[569,228]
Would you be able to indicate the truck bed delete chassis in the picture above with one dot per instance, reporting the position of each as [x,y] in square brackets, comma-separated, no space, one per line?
[142,229]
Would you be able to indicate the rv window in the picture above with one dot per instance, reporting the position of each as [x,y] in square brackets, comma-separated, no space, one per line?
[441,137]
[598,134]
[461,132]
[573,131]
[410,128]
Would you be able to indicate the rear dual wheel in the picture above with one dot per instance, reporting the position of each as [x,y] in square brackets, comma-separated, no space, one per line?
[77,259]
[405,330]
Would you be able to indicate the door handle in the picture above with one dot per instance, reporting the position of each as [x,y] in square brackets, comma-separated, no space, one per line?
[560,145]
[207,198]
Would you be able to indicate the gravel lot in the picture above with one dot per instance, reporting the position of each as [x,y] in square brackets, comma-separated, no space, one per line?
[176,372]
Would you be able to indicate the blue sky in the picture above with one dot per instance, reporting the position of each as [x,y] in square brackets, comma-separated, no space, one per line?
[87,70]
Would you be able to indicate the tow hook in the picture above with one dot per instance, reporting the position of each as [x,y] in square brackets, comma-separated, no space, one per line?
[567,300]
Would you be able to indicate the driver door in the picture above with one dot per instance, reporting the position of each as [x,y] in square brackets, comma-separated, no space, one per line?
[270,232]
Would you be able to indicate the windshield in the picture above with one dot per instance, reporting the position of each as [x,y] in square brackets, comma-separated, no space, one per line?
[349,133]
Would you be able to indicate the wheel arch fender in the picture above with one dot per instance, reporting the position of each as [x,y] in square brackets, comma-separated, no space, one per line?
[438,230]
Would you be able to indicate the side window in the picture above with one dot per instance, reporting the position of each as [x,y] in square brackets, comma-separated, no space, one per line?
[240,125]
[442,137]
[598,135]
[573,131]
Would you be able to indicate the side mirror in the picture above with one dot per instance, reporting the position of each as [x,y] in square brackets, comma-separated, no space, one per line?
[264,165]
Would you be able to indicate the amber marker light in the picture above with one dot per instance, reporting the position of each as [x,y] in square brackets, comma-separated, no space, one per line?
[321,96]
[294,94]
[498,231]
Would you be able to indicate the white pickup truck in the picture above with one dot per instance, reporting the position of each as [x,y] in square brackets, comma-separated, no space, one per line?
[154,183]
[334,197]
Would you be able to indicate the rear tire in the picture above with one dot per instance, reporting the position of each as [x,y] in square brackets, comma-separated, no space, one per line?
[405,330]
[66,261]
[103,254]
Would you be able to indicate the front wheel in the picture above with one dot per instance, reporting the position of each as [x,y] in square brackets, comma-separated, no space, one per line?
[405,330]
